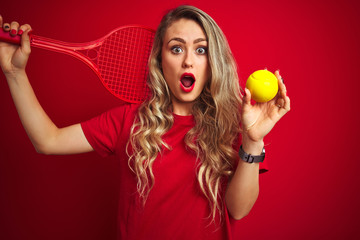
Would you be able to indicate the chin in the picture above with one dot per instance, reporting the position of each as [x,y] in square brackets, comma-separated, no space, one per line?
[188,98]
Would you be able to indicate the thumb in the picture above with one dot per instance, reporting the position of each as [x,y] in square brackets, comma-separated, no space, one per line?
[247,96]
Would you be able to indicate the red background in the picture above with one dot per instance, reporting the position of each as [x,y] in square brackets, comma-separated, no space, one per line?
[311,191]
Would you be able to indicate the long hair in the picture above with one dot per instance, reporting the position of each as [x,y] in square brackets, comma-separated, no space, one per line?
[216,113]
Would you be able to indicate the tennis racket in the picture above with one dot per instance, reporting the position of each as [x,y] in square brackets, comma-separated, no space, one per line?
[120,59]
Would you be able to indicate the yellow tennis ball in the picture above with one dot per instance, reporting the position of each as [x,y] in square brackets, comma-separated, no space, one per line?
[263,85]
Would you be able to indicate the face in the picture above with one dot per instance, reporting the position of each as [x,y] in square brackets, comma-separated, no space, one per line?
[184,63]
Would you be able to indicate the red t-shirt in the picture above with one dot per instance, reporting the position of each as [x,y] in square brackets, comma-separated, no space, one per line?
[176,208]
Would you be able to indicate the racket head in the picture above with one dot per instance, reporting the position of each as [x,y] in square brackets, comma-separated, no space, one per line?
[120,59]
[122,62]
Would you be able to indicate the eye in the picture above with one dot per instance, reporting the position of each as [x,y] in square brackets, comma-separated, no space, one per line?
[176,50]
[201,50]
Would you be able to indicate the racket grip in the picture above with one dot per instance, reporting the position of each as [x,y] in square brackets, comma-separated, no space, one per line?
[6,37]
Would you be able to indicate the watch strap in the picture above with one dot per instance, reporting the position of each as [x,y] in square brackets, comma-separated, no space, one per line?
[251,158]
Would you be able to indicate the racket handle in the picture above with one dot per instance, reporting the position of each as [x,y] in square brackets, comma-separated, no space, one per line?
[6,37]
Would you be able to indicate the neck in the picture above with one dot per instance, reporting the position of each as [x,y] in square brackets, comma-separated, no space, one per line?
[182,109]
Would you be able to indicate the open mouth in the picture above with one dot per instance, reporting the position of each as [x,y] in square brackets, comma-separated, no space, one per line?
[187,82]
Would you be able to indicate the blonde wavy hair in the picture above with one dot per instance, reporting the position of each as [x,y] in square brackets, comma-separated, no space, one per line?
[216,113]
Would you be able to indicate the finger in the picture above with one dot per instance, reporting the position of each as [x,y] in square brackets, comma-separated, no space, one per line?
[25,41]
[6,27]
[14,26]
[285,107]
[1,21]
[287,104]
[24,28]
[279,78]
[282,88]
[280,102]
[277,74]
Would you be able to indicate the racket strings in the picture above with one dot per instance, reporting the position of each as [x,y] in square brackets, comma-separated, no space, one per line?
[122,63]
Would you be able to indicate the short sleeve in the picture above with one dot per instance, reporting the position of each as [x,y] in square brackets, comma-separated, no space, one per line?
[103,131]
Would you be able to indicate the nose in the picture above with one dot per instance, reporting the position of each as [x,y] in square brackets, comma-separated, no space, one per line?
[188,60]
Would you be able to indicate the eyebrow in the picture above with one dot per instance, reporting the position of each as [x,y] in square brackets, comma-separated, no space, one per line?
[183,41]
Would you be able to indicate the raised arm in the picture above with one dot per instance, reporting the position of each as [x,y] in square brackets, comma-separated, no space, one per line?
[257,121]
[46,137]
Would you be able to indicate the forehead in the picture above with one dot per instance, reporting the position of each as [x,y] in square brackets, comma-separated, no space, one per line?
[184,28]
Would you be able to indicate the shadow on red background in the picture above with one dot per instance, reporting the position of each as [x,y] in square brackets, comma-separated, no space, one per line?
[311,189]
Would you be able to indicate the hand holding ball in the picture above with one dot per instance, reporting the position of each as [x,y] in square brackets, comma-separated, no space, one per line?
[263,85]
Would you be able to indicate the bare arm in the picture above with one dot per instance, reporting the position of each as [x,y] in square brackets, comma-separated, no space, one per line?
[243,188]
[46,137]
[257,121]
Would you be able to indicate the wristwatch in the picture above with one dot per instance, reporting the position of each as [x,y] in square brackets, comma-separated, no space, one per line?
[251,158]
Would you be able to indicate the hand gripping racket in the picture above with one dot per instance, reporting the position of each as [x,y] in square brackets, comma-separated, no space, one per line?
[120,59]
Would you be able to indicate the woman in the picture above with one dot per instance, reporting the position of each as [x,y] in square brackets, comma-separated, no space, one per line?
[181,176]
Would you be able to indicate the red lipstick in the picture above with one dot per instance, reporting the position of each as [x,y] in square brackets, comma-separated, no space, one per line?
[187,82]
